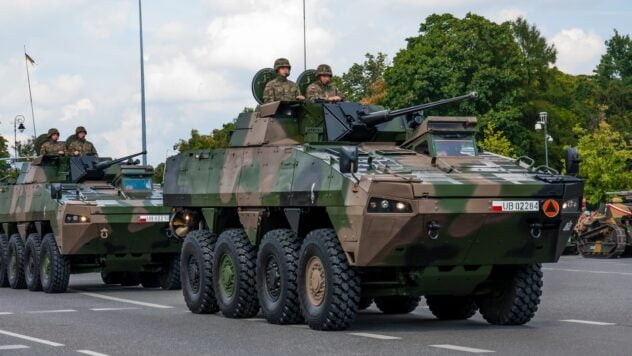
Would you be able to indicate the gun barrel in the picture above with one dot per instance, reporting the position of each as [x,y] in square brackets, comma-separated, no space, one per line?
[378,117]
[106,164]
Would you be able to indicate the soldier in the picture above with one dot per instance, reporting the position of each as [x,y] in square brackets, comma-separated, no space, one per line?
[281,88]
[52,146]
[322,89]
[80,146]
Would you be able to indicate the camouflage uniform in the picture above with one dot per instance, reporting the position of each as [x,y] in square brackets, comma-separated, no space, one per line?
[318,91]
[81,145]
[280,89]
[52,147]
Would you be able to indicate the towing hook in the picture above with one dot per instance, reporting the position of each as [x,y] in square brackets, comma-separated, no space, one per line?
[433,230]
[104,233]
[535,230]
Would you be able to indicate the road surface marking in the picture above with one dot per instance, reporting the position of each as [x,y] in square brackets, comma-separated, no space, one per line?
[13,347]
[601,323]
[586,271]
[376,336]
[92,353]
[113,309]
[122,300]
[29,338]
[51,311]
[462,348]
[6,313]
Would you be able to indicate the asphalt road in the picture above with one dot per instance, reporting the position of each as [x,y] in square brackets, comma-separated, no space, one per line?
[586,309]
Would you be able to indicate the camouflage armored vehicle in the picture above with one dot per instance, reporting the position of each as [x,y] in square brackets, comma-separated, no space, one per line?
[607,232]
[316,210]
[68,215]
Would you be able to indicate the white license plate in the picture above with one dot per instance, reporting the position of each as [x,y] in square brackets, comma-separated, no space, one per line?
[153,218]
[515,205]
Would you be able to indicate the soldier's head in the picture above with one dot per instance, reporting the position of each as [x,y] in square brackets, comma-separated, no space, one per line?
[282,67]
[53,134]
[324,73]
[80,132]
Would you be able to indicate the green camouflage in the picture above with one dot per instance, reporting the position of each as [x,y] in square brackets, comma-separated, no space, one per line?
[83,146]
[105,215]
[51,147]
[421,211]
[318,91]
[280,89]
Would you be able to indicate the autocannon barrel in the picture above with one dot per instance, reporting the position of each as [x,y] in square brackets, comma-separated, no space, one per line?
[106,164]
[378,117]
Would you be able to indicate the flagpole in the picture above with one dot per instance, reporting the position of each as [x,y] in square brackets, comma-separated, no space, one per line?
[142,84]
[28,79]
[304,40]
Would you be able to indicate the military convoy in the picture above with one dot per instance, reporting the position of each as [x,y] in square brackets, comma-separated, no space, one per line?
[607,232]
[68,215]
[317,210]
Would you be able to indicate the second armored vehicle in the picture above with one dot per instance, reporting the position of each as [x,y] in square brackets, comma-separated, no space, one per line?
[85,214]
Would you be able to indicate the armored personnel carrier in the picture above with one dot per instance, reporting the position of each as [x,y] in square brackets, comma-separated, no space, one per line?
[68,215]
[316,210]
[607,232]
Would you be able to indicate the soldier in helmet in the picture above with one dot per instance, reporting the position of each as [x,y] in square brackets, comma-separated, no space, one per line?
[281,88]
[52,146]
[80,146]
[322,89]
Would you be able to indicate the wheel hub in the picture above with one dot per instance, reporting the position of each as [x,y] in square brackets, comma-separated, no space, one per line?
[193,272]
[45,268]
[315,281]
[273,278]
[227,276]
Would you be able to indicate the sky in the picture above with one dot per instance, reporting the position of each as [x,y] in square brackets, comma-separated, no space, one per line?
[200,55]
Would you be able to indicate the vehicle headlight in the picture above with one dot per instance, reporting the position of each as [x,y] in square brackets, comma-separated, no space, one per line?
[570,205]
[73,219]
[380,205]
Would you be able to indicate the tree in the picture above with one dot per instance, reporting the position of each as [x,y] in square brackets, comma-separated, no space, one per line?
[159,173]
[616,63]
[26,149]
[605,156]
[364,81]
[217,139]
[537,54]
[496,142]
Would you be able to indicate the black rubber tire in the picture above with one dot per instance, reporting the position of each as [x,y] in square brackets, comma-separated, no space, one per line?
[451,307]
[365,303]
[196,262]
[31,266]
[111,277]
[130,279]
[4,261]
[397,304]
[149,279]
[56,275]
[15,262]
[278,297]
[170,276]
[243,303]
[341,295]
[515,298]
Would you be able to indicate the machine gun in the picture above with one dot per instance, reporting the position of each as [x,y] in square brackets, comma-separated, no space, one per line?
[88,167]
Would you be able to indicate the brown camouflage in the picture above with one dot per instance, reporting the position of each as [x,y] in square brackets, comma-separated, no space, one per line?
[317,91]
[51,147]
[82,146]
[280,89]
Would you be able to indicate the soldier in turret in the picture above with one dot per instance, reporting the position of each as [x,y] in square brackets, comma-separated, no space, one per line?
[80,146]
[322,89]
[52,146]
[281,88]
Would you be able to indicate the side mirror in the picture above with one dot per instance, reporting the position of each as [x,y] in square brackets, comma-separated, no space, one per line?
[348,159]
[55,191]
[572,161]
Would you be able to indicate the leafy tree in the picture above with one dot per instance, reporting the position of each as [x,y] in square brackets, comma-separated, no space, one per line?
[496,142]
[159,173]
[217,139]
[364,81]
[537,54]
[5,165]
[605,156]
[616,63]
[26,149]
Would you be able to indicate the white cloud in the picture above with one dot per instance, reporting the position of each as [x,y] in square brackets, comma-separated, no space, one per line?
[103,19]
[80,109]
[507,14]
[578,51]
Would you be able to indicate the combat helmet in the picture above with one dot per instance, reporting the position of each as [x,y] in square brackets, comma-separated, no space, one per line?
[52,131]
[280,63]
[324,69]
[80,129]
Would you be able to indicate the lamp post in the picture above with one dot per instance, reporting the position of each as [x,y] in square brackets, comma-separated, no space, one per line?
[18,124]
[539,126]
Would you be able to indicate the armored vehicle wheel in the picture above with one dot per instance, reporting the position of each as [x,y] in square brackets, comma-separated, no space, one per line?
[54,268]
[196,261]
[397,304]
[515,297]
[170,276]
[329,289]
[149,279]
[277,288]
[450,307]
[234,265]
[365,303]
[4,250]
[15,261]
[130,279]
[111,277]
[31,257]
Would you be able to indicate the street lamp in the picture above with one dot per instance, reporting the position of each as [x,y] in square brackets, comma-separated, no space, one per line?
[18,124]
[547,138]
